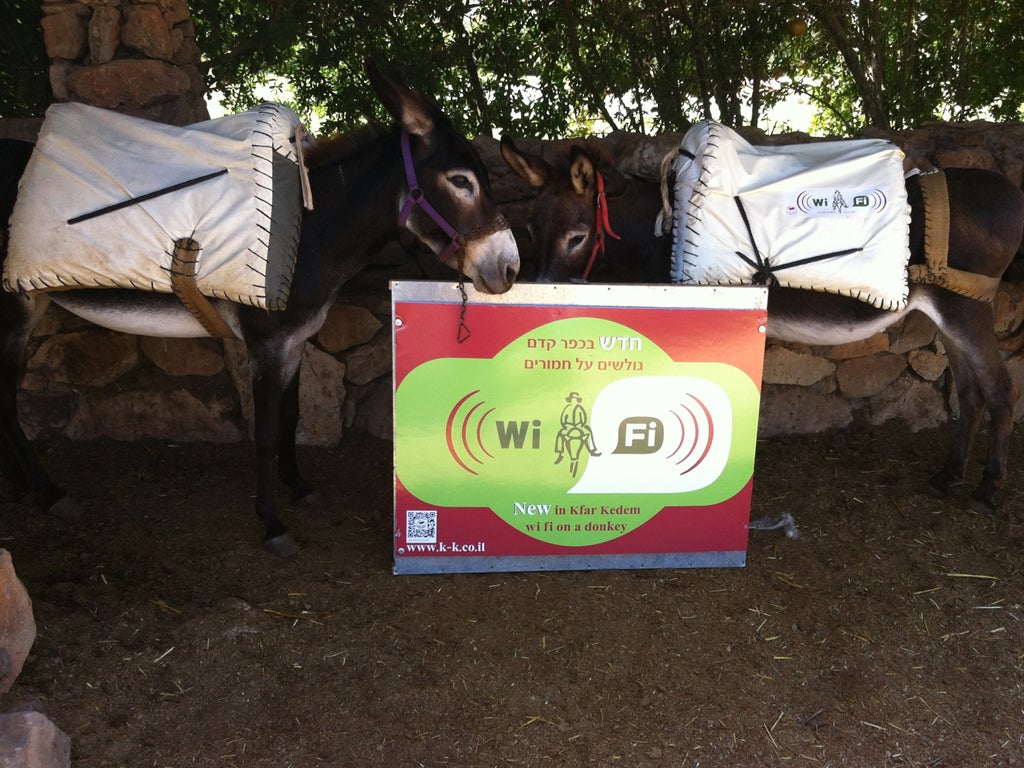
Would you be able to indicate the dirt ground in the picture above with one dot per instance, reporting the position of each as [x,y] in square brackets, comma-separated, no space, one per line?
[888,634]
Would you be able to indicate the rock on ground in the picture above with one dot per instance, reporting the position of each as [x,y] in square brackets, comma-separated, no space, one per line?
[17,624]
[31,740]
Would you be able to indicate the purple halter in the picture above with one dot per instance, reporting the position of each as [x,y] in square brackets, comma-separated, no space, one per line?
[416,198]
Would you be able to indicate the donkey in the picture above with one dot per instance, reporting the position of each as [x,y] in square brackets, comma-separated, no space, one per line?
[363,196]
[986,227]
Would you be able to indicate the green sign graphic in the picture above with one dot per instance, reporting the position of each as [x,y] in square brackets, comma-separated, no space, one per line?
[575,433]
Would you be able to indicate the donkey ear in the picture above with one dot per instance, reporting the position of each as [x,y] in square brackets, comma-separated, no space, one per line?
[532,169]
[582,172]
[410,109]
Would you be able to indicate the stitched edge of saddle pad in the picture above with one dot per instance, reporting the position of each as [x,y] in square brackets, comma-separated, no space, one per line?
[801,201]
[245,221]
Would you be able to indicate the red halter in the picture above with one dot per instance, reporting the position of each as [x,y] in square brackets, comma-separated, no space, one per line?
[601,227]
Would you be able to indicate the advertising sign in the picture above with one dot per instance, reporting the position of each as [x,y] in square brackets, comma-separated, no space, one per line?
[561,427]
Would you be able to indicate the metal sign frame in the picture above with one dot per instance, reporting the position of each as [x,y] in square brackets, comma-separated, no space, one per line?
[570,427]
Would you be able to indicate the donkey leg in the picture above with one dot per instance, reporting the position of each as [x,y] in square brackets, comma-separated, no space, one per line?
[21,465]
[970,401]
[274,365]
[302,492]
[267,396]
[1001,396]
[993,477]
[973,350]
[19,462]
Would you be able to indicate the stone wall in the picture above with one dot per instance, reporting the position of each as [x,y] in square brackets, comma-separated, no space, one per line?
[140,57]
[87,382]
[134,56]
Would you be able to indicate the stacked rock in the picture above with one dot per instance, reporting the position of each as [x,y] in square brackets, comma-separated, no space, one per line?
[138,57]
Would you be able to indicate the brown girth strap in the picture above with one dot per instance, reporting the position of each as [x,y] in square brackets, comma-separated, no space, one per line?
[936,270]
[184,267]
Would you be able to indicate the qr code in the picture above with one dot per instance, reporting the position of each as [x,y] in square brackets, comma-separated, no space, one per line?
[421,526]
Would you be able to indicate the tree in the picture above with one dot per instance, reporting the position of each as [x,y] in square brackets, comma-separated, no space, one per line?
[903,62]
[546,67]
[24,90]
[550,68]
[482,61]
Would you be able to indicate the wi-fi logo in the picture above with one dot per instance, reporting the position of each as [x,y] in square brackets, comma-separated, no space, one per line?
[874,200]
[464,428]
[811,202]
[696,434]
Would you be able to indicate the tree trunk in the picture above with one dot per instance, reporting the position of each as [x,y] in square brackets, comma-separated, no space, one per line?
[868,78]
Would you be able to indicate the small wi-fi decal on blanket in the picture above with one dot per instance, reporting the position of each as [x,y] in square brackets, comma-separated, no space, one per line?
[816,202]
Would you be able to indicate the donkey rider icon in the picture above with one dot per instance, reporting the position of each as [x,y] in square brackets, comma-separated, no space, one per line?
[574,434]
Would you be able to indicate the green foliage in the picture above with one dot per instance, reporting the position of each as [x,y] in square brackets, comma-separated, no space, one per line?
[898,63]
[550,68]
[24,90]
[543,68]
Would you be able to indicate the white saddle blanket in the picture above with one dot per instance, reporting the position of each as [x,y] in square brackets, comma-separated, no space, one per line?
[246,219]
[744,214]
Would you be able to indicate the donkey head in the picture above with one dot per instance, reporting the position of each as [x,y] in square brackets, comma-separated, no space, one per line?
[446,201]
[564,221]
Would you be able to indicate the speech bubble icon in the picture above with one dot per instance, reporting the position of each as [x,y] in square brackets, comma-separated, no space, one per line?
[673,435]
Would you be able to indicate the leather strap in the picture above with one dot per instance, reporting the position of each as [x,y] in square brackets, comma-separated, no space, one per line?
[300,152]
[936,270]
[184,267]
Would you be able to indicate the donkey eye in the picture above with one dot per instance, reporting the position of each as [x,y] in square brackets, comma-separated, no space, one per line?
[461,181]
[575,242]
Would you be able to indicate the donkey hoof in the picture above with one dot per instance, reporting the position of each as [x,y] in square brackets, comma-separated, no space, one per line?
[940,485]
[66,508]
[937,490]
[282,546]
[982,506]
